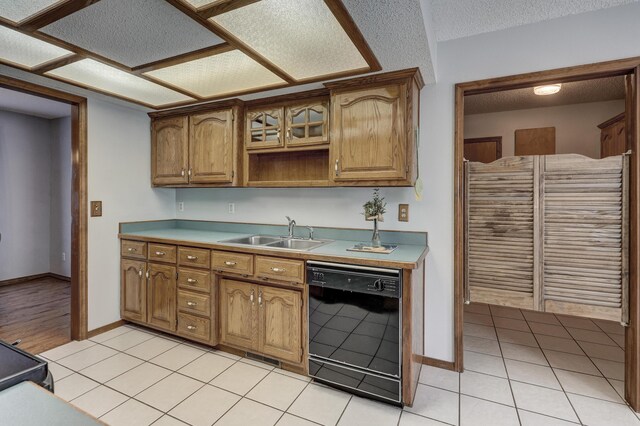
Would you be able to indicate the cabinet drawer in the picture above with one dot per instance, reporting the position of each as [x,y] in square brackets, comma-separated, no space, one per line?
[194,303]
[194,280]
[162,253]
[194,327]
[238,263]
[133,249]
[280,269]
[193,257]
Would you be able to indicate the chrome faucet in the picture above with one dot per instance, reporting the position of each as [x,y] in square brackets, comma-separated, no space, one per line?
[292,225]
[310,232]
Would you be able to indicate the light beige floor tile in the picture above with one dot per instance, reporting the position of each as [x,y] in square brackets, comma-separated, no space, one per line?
[128,340]
[549,330]
[169,392]
[591,336]
[505,312]
[291,420]
[482,331]
[584,384]
[618,385]
[595,350]
[493,388]
[247,412]
[131,413]
[534,374]
[476,412]
[110,334]
[516,337]
[487,364]
[138,379]
[58,372]
[436,404]
[597,412]
[83,359]
[226,354]
[152,348]
[240,378]
[527,418]
[205,406]
[511,324]
[106,370]
[410,419]
[542,317]
[277,390]
[365,412]
[73,386]
[481,319]
[67,349]
[292,374]
[99,401]
[523,353]
[257,363]
[207,367]
[440,378]
[575,322]
[177,357]
[610,327]
[545,401]
[610,369]
[478,308]
[321,404]
[559,344]
[485,346]
[571,362]
[168,421]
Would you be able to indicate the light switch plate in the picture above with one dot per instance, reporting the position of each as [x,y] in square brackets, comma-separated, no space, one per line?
[96,208]
[403,212]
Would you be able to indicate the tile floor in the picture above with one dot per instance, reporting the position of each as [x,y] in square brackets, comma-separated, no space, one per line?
[522,368]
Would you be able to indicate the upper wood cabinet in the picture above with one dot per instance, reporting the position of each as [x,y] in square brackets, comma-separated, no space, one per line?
[613,138]
[211,147]
[170,151]
[264,128]
[307,124]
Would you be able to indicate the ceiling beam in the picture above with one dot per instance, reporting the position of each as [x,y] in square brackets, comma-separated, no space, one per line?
[184,57]
[56,63]
[222,6]
[54,13]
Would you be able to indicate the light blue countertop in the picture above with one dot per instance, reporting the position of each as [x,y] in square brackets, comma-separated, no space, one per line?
[409,254]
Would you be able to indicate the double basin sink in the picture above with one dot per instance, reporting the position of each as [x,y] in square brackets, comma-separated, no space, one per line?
[278,242]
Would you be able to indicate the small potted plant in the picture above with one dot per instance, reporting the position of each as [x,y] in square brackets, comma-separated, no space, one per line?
[373,211]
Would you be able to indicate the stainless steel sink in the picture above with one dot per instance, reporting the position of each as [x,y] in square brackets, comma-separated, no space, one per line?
[277,242]
[293,244]
[254,240]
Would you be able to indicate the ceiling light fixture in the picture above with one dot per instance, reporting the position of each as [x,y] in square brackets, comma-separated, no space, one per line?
[547,89]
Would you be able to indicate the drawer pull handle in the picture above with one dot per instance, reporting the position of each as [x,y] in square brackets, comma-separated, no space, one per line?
[189,257]
[160,253]
[191,327]
[191,281]
[132,250]
[190,303]
[230,263]
[278,270]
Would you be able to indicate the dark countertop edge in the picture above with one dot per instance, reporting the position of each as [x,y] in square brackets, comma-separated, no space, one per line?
[304,255]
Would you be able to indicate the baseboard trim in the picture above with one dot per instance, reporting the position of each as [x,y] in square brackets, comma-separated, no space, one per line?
[28,278]
[105,328]
[433,362]
[60,277]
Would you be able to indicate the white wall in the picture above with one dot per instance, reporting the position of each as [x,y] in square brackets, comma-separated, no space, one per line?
[24,195]
[60,212]
[576,125]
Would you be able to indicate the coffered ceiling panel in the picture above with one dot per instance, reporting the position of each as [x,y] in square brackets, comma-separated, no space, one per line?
[217,75]
[96,75]
[18,10]
[200,3]
[133,32]
[301,37]
[27,51]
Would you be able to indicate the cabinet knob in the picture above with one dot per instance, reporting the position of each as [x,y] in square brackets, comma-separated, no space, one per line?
[230,263]
[337,168]
[251,297]
[190,303]
[140,272]
[189,257]
[191,281]
[189,171]
[260,298]
[182,172]
[191,327]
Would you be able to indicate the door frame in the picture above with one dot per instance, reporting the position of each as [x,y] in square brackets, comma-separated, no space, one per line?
[79,207]
[630,68]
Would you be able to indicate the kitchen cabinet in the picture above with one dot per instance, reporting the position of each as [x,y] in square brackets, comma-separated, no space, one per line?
[613,137]
[133,290]
[238,314]
[161,296]
[307,124]
[264,128]
[211,147]
[170,151]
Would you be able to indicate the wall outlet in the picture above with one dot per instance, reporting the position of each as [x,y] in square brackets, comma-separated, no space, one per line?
[180,206]
[403,212]
[232,208]
[64,256]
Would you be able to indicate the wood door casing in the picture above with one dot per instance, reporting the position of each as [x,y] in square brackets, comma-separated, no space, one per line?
[211,147]
[238,314]
[169,151]
[368,134]
[483,150]
[540,141]
[133,290]
[280,319]
[161,296]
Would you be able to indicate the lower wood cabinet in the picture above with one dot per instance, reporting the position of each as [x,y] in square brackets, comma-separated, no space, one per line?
[261,318]
[133,290]
[161,296]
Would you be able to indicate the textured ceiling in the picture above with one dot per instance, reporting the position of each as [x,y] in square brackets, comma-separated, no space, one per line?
[462,18]
[603,89]
[18,10]
[23,103]
[133,32]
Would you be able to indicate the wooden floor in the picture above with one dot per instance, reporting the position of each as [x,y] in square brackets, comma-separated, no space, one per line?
[38,312]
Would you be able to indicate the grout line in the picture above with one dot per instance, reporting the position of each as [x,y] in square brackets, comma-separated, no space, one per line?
[344,409]
[552,417]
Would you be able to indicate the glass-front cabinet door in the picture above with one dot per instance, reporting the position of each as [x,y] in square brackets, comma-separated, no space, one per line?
[307,124]
[264,129]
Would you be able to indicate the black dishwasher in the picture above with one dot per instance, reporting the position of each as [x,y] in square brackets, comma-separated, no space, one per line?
[18,366]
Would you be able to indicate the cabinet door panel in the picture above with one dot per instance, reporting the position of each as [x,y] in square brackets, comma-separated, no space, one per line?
[368,134]
[161,300]
[133,289]
[238,322]
[280,323]
[211,146]
[169,151]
